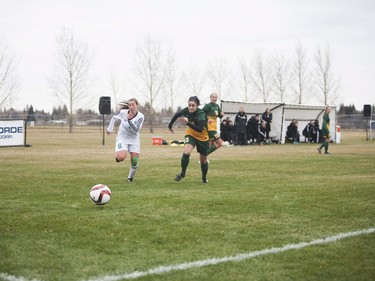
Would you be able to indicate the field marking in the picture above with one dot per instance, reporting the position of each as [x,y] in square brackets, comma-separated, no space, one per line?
[201,263]
[8,277]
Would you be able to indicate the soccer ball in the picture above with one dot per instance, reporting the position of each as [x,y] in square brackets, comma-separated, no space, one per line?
[100,194]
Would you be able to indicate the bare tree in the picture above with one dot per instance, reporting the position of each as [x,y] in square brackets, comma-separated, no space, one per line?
[262,76]
[300,75]
[326,83]
[245,80]
[71,77]
[173,80]
[115,87]
[150,65]
[8,75]
[217,73]
[195,80]
[281,76]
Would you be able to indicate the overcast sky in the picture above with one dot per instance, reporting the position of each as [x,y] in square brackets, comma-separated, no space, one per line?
[197,30]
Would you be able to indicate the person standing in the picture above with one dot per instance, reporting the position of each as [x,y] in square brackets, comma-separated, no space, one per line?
[240,126]
[127,140]
[213,112]
[267,116]
[196,135]
[317,132]
[325,131]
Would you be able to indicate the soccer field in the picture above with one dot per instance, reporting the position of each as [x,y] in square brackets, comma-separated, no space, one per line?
[277,212]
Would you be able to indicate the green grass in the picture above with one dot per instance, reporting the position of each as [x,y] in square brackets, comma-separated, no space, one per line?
[257,198]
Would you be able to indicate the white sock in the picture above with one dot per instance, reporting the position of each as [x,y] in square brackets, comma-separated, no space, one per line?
[132,171]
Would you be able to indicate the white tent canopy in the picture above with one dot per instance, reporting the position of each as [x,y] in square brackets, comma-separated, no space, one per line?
[282,114]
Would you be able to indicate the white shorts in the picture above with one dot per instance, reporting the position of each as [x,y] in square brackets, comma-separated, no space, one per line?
[128,145]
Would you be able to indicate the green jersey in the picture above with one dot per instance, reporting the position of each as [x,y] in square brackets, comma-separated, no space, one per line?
[212,111]
[325,125]
[194,117]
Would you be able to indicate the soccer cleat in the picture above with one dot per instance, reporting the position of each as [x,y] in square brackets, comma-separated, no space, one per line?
[319,150]
[179,177]
[117,160]
[130,180]
[204,180]
[327,153]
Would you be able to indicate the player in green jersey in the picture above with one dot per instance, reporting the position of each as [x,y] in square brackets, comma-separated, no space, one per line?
[196,135]
[213,111]
[325,131]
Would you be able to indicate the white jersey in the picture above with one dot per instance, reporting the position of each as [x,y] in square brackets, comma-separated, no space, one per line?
[128,129]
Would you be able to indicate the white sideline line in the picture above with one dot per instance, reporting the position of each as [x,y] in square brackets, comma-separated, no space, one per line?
[213,261]
[8,277]
[239,257]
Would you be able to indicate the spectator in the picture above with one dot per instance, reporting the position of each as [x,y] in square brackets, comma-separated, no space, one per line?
[292,133]
[312,132]
[309,131]
[267,116]
[224,130]
[252,128]
[240,127]
[231,133]
[318,138]
[261,132]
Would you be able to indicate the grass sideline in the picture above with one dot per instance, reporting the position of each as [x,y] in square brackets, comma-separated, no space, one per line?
[257,198]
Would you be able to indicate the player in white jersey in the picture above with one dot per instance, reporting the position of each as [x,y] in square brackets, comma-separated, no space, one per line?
[128,134]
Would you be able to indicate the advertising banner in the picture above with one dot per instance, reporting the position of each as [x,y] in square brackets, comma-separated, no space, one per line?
[12,132]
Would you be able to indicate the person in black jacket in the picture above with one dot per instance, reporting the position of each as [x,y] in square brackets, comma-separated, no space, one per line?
[261,132]
[292,133]
[317,136]
[309,131]
[240,127]
[312,132]
[267,116]
[224,130]
[231,133]
[252,128]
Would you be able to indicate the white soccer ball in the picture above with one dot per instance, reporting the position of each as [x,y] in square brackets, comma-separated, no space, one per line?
[100,194]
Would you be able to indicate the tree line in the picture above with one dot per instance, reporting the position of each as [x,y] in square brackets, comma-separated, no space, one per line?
[82,117]
[348,117]
[160,82]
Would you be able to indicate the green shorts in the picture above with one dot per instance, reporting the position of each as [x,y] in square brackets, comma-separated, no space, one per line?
[325,134]
[202,146]
[213,135]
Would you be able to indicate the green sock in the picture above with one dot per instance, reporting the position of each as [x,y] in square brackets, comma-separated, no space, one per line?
[184,163]
[325,146]
[211,149]
[204,168]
